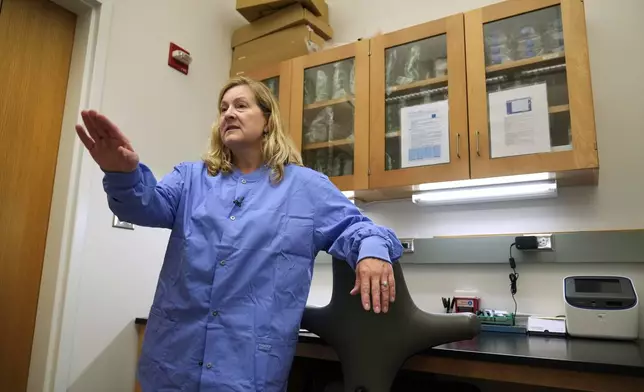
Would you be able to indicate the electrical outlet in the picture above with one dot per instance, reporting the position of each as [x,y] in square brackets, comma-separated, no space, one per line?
[408,245]
[544,241]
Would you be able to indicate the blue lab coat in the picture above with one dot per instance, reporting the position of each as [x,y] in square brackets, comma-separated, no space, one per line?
[237,269]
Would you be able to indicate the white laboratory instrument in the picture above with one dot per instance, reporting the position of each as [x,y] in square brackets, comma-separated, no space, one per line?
[604,307]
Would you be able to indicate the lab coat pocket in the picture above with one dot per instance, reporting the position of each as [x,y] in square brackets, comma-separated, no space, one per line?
[273,360]
[154,378]
[293,276]
[297,236]
[174,258]
[158,337]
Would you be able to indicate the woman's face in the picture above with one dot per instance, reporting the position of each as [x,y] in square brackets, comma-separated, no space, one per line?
[241,121]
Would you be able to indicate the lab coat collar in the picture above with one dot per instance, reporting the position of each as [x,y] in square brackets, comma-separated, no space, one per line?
[254,176]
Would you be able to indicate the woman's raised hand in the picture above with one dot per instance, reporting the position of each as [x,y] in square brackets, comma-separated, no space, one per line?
[110,149]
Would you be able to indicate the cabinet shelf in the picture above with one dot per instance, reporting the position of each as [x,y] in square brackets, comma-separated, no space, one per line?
[509,65]
[333,143]
[330,102]
[559,109]
[392,135]
[417,84]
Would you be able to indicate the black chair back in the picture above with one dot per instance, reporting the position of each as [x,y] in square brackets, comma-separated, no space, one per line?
[372,347]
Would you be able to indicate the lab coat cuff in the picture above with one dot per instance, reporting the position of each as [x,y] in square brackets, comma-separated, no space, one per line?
[123,180]
[374,247]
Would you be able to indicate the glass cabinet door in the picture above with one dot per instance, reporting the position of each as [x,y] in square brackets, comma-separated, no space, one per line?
[277,78]
[419,117]
[329,123]
[273,84]
[529,75]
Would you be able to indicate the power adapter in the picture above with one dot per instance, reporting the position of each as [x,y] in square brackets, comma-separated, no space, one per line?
[529,242]
[521,243]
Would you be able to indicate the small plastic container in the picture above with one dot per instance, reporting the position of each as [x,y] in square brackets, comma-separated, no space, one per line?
[529,43]
[498,48]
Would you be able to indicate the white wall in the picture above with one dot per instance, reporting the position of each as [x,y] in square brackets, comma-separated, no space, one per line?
[614,28]
[167,116]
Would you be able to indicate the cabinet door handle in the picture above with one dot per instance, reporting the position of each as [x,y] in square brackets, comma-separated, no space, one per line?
[458,145]
[478,149]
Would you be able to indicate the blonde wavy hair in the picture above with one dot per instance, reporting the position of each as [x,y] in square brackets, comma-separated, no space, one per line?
[277,147]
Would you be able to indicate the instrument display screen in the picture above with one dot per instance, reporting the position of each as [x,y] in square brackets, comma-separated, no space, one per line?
[598,286]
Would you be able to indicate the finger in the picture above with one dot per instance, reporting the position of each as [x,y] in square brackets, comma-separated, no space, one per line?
[375,293]
[84,137]
[126,153]
[90,126]
[364,290]
[392,285]
[93,115]
[110,129]
[384,290]
[356,286]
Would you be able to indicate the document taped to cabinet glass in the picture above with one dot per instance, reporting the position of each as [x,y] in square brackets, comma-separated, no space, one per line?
[519,122]
[424,136]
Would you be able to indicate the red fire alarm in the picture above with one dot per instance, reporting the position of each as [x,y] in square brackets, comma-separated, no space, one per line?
[179,58]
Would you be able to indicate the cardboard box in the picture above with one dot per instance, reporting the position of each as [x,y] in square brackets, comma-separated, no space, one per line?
[290,16]
[274,48]
[255,9]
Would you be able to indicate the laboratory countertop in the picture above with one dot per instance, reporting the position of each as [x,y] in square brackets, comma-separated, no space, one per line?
[588,355]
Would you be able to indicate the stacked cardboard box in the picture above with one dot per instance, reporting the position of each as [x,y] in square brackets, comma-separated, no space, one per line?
[278,30]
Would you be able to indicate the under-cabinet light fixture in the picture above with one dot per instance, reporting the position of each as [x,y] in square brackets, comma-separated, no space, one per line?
[349,194]
[486,181]
[487,193]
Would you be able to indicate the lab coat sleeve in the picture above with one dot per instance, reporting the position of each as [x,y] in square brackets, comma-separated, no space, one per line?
[138,198]
[342,231]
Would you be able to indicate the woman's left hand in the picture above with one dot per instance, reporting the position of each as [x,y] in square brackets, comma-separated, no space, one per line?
[375,277]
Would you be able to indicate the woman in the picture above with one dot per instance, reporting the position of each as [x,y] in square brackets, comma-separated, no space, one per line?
[247,223]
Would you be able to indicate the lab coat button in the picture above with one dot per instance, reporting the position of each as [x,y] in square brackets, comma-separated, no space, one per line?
[215,313]
[222,263]
[232,218]
[209,365]
[243,181]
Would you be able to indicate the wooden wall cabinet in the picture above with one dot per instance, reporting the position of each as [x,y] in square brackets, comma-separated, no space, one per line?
[330,113]
[410,68]
[529,42]
[345,102]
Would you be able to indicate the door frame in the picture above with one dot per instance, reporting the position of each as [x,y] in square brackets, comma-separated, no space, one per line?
[52,344]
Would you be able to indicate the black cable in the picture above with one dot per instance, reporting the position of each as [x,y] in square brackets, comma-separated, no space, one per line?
[514,277]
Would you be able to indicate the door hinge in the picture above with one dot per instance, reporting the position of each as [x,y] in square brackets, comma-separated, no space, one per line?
[369,171]
[595,144]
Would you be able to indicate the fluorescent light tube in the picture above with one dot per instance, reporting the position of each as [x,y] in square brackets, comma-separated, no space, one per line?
[486,181]
[506,192]
[349,194]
